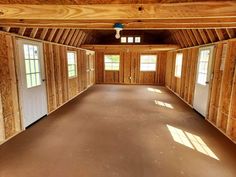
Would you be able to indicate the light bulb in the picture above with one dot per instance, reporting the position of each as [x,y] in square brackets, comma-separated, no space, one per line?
[117,35]
[118,32]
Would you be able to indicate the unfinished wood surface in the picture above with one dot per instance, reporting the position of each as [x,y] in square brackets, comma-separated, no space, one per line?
[60,88]
[150,48]
[8,88]
[110,11]
[195,23]
[222,104]
[184,86]
[129,72]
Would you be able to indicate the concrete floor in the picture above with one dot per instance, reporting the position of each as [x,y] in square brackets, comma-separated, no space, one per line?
[120,131]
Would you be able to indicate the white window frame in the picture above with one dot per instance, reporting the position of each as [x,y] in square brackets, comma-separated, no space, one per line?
[111,63]
[125,39]
[134,39]
[76,72]
[148,63]
[178,65]
[30,60]
[137,41]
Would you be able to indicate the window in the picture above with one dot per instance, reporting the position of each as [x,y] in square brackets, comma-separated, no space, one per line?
[148,63]
[32,65]
[72,64]
[130,39]
[112,62]
[137,39]
[123,39]
[203,66]
[178,64]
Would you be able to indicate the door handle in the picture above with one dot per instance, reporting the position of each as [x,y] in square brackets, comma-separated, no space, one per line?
[207,82]
[43,80]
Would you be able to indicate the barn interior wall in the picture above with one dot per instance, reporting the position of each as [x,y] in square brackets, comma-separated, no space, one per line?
[222,99]
[129,72]
[60,89]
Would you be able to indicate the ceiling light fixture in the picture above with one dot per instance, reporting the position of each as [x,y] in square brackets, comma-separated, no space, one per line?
[118,27]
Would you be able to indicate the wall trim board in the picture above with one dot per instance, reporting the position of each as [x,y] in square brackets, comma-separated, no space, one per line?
[179,97]
[5,140]
[221,131]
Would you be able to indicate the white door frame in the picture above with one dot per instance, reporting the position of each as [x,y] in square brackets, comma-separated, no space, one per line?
[20,41]
[209,76]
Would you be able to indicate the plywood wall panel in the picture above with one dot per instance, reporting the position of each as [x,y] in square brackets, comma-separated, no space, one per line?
[8,88]
[60,88]
[222,104]
[129,72]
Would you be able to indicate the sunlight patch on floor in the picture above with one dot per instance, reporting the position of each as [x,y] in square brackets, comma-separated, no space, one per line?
[164,104]
[154,90]
[190,140]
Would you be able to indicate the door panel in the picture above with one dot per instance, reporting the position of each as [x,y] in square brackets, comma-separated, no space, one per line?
[32,81]
[203,76]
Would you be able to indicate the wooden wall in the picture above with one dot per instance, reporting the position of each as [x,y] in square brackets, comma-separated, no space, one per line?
[184,86]
[222,101]
[60,89]
[9,107]
[129,72]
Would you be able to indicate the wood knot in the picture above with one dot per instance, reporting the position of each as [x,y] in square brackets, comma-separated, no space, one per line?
[140,8]
[1,13]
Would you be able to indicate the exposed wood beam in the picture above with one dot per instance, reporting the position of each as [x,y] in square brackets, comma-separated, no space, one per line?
[33,32]
[63,38]
[21,31]
[211,35]
[59,34]
[43,34]
[74,37]
[203,36]
[192,37]
[40,40]
[68,38]
[220,34]
[124,11]
[197,36]
[165,47]
[180,40]
[53,31]
[78,38]
[84,38]
[181,35]
[7,29]
[192,23]
[231,33]
[185,34]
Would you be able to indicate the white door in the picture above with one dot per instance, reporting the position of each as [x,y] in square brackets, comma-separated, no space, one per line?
[201,94]
[32,81]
